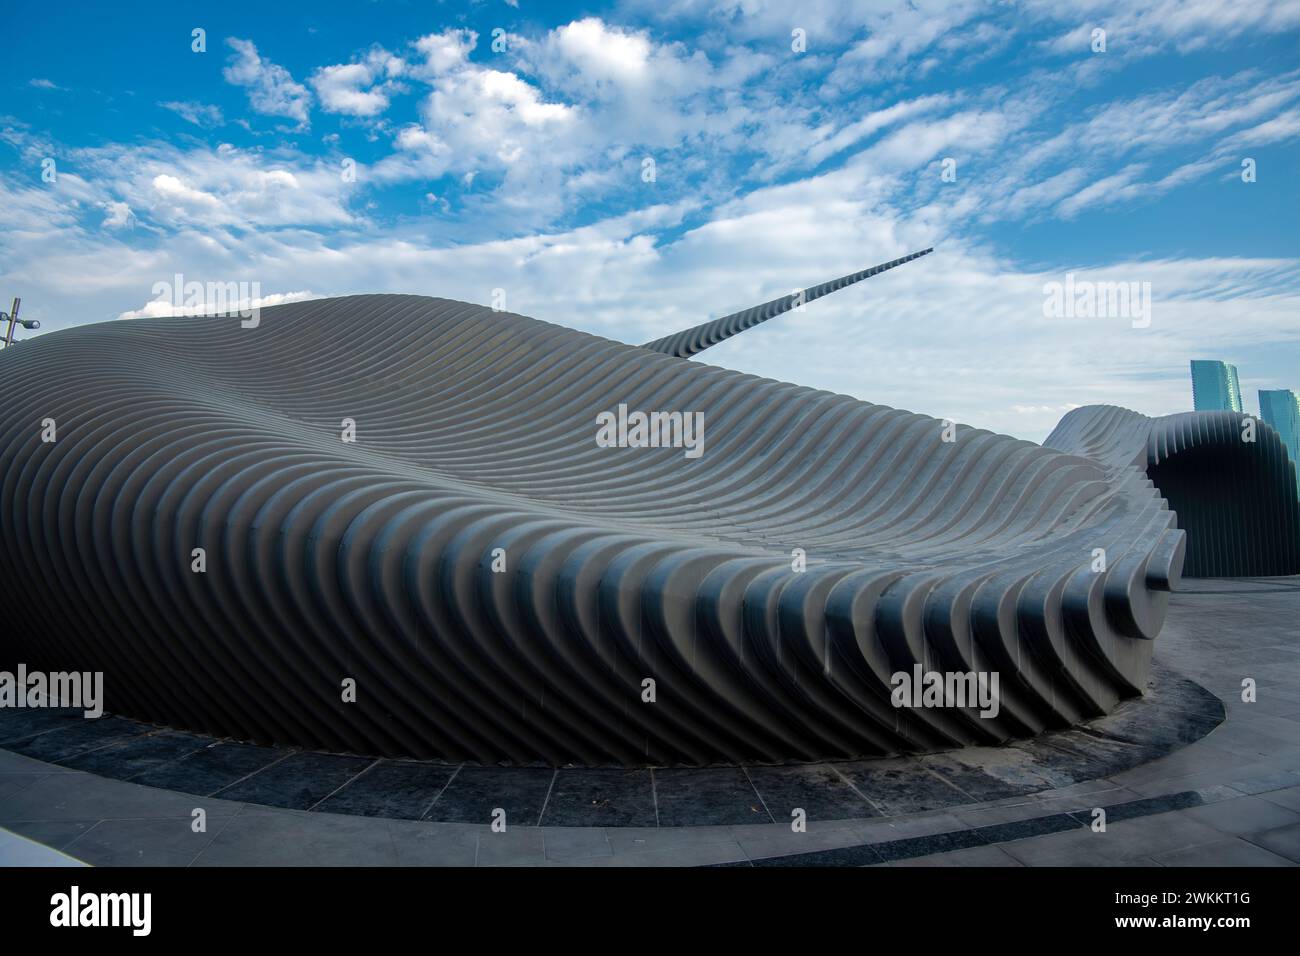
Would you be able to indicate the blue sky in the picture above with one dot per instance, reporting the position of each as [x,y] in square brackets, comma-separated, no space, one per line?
[521,168]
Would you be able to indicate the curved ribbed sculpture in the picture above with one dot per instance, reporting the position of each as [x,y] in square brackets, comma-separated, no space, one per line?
[1228,477]
[501,587]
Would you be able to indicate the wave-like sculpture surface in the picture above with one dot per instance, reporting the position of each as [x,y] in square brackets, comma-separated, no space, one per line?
[500,587]
[1228,477]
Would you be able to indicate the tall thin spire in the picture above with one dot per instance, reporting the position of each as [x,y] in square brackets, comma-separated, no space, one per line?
[694,340]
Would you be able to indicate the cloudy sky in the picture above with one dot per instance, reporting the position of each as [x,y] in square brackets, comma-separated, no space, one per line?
[452,149]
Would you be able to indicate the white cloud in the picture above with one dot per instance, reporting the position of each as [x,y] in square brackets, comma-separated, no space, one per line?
[570,116]
[858,130]
[898,34]
[164,188]
[493,118]
[363,88]
[118,215]
[630,80]
[164,306]
[200,114]
[476,119]
[171,188]
[446,51]
[603,53]
[232,187]
[271,89]
[1104,192]
[1143,27]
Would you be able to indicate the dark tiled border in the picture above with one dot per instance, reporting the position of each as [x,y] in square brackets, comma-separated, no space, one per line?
[1175,713]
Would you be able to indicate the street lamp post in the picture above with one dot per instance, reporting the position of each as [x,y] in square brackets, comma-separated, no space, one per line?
[14,322]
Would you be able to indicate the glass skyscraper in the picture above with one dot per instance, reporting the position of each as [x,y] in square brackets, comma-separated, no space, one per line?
[1215,387]
[1280,407]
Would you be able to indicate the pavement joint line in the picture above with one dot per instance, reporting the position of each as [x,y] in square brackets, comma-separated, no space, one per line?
[392,841]
[40,733]
[443,789]
[654,795]
[71,843]
[144,819]
[234,816]
[852,786]
[934,773]
[112,742]
[171,760]
[750,781]
[547,799]
[1253,840]
[36,778]
[234,783]
[351,780]
[203,849]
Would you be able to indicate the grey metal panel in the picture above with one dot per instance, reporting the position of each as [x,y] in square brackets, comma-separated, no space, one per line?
[1236,499]
[476,430]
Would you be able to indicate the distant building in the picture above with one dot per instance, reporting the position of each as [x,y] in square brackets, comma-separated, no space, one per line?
[1280,407]
[1215,387]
